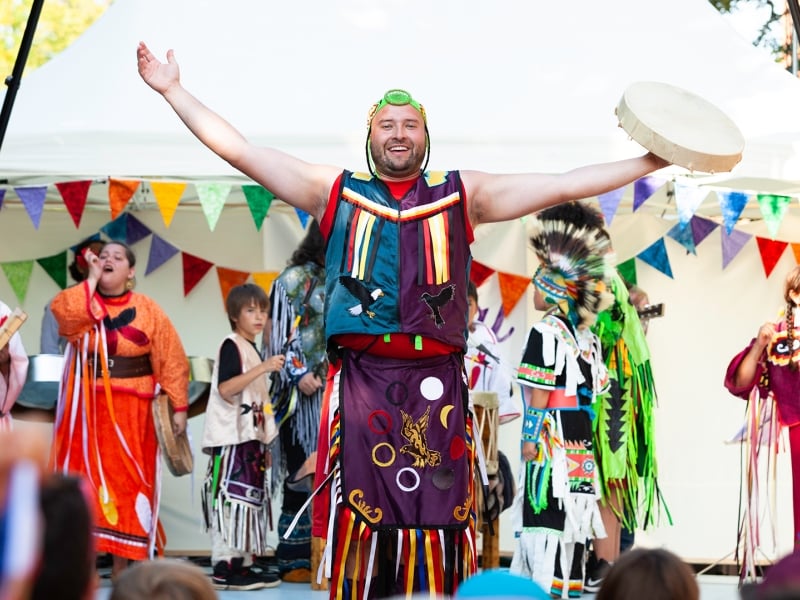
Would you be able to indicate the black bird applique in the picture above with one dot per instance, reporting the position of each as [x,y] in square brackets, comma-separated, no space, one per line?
[360,292]
[437,302]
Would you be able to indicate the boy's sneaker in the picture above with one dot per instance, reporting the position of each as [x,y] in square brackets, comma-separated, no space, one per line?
[596,570]
[235,576]
[267,578]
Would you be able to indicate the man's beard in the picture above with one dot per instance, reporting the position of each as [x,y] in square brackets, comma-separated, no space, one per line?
[385,164]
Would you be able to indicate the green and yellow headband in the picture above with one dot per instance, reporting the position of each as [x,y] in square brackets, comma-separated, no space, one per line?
[396,97]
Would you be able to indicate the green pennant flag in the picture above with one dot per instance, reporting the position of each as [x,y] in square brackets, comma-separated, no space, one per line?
[212,198]
[627,270]
[56,267]
[259,200]
[19,276]
[773,208]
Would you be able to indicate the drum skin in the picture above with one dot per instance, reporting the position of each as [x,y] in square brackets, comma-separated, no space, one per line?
[680,127]
[176,450]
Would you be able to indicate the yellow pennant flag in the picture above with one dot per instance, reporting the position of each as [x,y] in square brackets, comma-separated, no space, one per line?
[265,279]
[168,196]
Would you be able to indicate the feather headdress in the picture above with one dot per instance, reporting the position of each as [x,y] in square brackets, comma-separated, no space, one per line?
[575,268]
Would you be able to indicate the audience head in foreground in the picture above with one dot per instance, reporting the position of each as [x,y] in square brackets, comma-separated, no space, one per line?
[654,573]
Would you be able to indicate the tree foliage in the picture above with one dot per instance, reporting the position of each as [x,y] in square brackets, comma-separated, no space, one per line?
[765,36]
[60,24]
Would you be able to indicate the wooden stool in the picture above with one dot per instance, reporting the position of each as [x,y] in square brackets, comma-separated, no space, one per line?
[486,422]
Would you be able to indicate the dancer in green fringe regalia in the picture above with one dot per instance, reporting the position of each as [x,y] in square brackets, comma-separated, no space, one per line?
[623,424]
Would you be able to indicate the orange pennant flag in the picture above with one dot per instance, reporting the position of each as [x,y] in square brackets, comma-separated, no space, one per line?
[120,192]
[74,194]
[194,269]
[168,196]
[265,279]
[512,288]
[796,250]
[229,278]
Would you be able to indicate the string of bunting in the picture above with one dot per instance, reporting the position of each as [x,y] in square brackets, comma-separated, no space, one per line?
[689,231]
[167,194]
[127,228]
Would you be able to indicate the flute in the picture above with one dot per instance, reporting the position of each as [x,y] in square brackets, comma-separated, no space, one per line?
[11,325]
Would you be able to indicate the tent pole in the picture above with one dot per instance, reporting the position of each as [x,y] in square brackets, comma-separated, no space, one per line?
[13,80]
[794,8]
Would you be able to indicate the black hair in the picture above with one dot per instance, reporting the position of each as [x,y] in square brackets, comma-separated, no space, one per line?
[77,272]
[68,559]
[311,248]
[472,291]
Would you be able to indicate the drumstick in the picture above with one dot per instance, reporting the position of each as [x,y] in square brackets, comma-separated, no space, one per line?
[11,325]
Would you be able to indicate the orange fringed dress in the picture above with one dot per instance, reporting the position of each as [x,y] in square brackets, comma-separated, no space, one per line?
[104,426]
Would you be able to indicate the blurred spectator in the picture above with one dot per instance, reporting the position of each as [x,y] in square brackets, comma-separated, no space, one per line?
[163,579]
[652,573]
[501,585]
[66,575]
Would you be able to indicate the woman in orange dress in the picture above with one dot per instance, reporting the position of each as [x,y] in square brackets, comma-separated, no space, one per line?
[122,348]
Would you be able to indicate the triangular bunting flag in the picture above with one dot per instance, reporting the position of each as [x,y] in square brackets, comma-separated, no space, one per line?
[702,228]
[303,216]
[688,199]
[56,267]
[120,192]
[117,230]
[627,270]
[265,279]
[168,196]
[773,208]
[732,204]
[796,250]
[609,202]
[683,235]
[19,276]
[212,198]
[194,269]
[33,200]
[2,195]
[770,251]
[135,230]
[656,256]
[479,273]
[160,252]
[229,278]
[259,200]
[644,188]
[731,244]
[95,237]
[74,194]
[512,287]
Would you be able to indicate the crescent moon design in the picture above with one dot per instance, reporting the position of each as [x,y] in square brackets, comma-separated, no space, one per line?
[444,413]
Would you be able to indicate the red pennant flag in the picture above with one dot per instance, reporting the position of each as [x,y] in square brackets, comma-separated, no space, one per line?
[74,194]
[512,288]
[771,251]
[194,269]
[120,192]
[479,273]
[229,278]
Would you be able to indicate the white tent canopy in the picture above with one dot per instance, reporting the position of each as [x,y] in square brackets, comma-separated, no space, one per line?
[508,85]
